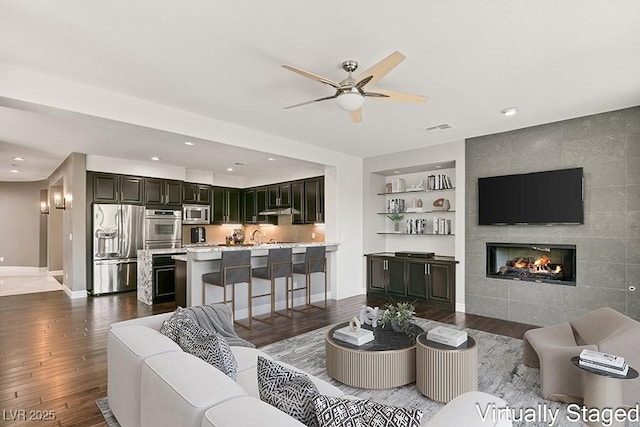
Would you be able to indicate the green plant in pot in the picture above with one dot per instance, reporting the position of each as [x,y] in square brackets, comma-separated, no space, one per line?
[398,315]
[396,218]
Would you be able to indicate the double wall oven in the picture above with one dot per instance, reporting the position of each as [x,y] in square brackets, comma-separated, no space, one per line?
[162,229]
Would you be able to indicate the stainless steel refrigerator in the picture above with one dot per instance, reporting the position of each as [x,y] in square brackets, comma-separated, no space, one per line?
[118,233]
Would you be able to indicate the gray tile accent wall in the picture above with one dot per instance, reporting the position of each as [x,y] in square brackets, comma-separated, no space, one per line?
[607,146]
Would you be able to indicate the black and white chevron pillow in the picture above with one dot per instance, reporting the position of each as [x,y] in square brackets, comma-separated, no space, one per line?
[336,411]
[208,346]
[379,415]
[172,326]
[289,391]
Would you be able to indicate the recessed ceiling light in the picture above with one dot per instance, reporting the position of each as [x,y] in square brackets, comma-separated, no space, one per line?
[271,159]
[189,143]
[229,169]
[155,158]
[509,111]
[396,171]
[18,158]
[14,171]
[439,167]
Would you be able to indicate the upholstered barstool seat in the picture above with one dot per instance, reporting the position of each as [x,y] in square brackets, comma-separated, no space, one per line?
[315,261]
[279,265]
[235,267]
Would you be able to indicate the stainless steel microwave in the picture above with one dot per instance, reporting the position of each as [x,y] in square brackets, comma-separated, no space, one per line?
[196,214]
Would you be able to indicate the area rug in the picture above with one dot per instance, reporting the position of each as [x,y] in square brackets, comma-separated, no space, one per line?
[500,372]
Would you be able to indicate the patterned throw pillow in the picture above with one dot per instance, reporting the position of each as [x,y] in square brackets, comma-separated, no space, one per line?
[214,349]
[173,325]
[379,415]
[338,412]
[289,391]
[207,345]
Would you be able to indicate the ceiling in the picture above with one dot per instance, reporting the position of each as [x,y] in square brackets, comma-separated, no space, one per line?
[553,60]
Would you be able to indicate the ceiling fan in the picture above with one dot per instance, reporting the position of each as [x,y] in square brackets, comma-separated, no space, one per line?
[350,92]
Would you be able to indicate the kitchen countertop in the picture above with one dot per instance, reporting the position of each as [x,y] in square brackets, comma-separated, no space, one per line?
[205,253]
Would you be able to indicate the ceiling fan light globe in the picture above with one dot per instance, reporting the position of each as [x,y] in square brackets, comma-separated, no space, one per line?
[350,101]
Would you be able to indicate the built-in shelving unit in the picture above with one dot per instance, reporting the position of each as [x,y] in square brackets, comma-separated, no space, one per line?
[420,196]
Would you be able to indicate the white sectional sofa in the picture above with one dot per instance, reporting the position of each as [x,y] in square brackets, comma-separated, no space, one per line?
[152,382]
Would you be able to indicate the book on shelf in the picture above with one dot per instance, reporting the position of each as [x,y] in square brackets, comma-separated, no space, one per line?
[359,337]
[602,358]
[618,371]
[447,336]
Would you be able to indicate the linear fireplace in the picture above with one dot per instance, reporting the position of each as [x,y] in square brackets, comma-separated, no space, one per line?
[532,262]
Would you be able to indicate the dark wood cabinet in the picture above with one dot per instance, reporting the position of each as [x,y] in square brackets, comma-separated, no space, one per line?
[162,192]
[297,198]
[431,280]
[226,206]
[111,188]
[417,279]
[198,194]
[441,275]
[385,274]
[313,200]
[255,201]
[280,195]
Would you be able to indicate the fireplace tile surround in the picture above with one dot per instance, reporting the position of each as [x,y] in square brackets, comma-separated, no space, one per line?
[607,146]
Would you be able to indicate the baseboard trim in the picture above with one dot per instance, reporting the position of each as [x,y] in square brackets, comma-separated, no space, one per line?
[22,270]
[74,294]
[461,308]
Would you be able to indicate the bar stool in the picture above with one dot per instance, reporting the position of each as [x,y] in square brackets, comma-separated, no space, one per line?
[235,267]
[315,261]
[279,264]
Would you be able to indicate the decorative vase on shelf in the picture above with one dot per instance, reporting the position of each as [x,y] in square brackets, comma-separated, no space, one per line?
[396,226]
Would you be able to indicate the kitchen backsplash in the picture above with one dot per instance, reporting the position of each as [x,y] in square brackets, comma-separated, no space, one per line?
[281,233]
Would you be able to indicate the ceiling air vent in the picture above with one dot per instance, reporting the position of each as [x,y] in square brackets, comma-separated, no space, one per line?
[437,128]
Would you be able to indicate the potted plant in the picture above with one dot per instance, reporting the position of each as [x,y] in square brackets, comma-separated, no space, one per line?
[396,218]
[398,315]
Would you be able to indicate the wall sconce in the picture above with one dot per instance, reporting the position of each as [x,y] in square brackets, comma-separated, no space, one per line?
[58,201]
[44,202]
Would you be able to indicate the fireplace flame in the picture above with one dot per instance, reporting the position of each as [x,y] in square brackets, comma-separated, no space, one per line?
[558,269]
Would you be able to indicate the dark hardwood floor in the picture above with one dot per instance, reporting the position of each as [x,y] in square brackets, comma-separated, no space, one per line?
[53,358]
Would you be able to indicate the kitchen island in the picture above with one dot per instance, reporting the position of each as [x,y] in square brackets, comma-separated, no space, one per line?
[145,271]
[205,259]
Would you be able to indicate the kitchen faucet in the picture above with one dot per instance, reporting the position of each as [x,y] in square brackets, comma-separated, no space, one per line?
[253,236]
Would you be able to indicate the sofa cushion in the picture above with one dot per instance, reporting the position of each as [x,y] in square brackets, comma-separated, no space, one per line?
[337,411]
[379,415]
[178,388]
[208,346]
[290,391]
[254,412]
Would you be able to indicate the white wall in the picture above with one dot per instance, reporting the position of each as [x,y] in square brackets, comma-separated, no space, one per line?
[343,185]
[373,183]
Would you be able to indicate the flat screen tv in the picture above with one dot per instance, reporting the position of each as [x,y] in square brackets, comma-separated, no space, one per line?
[550,197]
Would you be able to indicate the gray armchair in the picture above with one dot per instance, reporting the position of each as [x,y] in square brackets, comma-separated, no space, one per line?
[551,348]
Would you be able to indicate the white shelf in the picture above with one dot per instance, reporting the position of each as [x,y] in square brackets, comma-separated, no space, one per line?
[415,213]
[417,191]
[409,234]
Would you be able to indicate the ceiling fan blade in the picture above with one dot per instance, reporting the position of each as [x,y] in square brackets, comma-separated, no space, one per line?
[312,76]
[391,95]
[356,115]
[382,68]
[312,101]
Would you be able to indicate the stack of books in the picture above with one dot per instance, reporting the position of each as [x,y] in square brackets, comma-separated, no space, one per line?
[447,336]
[603,362]
[359,337]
